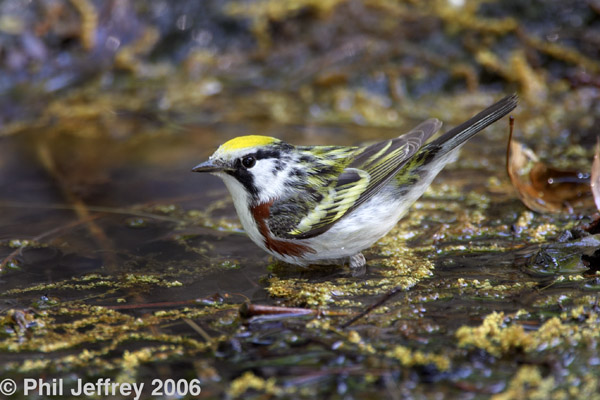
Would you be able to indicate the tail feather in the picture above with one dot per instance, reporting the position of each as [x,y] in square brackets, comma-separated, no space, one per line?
[460,134]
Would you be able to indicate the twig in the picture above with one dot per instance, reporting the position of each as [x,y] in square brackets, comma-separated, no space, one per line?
[248,310]
[198,329]
[14,253]
[373,306]
[152,305]
[99,209]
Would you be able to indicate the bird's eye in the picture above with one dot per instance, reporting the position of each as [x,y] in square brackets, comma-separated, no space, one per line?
[248,162]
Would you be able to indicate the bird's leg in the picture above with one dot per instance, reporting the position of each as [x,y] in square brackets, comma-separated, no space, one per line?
[358,265]
[358,261]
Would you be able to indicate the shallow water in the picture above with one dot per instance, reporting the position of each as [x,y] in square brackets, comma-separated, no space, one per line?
[160,250]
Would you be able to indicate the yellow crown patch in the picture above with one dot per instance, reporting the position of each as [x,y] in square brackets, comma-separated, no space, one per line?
[243,142]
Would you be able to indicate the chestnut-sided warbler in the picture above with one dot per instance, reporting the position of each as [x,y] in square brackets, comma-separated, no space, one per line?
[325,204]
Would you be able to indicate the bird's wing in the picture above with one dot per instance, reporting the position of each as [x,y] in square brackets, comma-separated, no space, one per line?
[369,170]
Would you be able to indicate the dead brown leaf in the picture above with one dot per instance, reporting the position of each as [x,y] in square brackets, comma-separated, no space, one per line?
[541,187]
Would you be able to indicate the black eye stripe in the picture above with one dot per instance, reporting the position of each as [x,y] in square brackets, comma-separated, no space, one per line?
[279,151]
[262,154]
[274,154]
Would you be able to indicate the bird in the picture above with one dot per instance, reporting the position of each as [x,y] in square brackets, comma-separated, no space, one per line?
[321,205]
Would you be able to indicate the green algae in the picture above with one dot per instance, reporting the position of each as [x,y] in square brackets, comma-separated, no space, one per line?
[498,336]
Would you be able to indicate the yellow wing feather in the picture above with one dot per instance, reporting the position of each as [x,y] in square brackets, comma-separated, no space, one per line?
[335,204]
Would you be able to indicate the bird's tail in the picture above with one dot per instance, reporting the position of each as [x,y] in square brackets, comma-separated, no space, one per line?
[460,134]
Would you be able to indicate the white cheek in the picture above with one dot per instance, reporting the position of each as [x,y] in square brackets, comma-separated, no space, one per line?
[270,186]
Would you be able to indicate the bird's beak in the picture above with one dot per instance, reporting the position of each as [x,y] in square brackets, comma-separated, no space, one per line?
[209,166]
